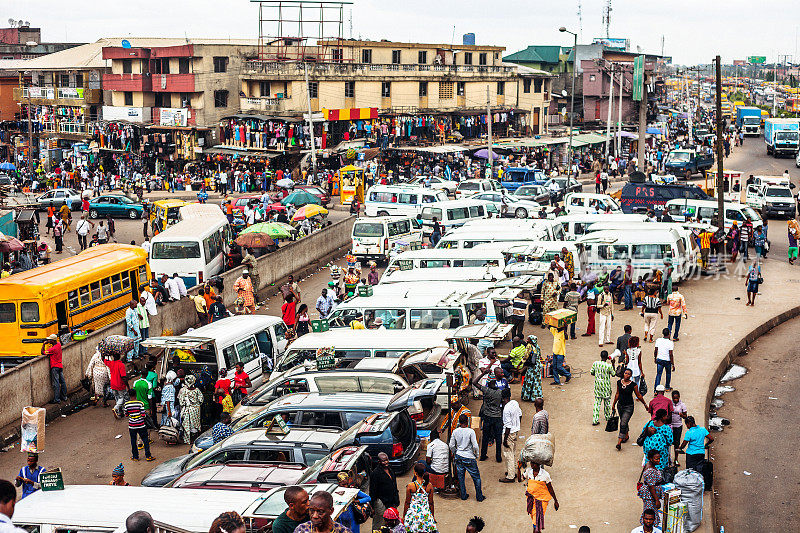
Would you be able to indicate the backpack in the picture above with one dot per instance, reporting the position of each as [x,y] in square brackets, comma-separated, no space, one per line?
[170,432]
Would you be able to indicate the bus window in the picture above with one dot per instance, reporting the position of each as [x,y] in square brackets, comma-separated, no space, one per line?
[29,312]
[246,351]
[116,283]
[8,313]
[107,287]
[73,300]
[85,297]
[96,296]
[126,281]
[142,275]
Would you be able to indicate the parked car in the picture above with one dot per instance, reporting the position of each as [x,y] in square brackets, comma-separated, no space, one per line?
[58,197]
[303,445]
[256,477]
[517,207]
[241,202]
[319,192]
[566,185]
[115,205]
[435,182]
[537,193]
[470,187]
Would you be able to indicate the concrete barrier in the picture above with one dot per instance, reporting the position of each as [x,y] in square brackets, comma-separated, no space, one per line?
[29,383]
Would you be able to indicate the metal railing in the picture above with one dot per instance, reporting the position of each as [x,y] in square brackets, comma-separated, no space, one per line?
[296,67]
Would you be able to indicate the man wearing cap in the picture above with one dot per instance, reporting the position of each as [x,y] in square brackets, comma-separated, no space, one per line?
[29,474]
[660,401]
[244,289]
[358,322]
[52,348]
[378,323]
[118,476]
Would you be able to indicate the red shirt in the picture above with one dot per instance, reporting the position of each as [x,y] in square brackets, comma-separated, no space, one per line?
[239,381]
[224,384]
[55,355]
[660,402]
[84,205]
[118,375]
[288,310]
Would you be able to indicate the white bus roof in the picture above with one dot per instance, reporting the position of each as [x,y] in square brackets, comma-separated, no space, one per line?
[466,274]
[630,236]
[197,210]
[412,294]
[88,507]
[191,228]
[231,328]
[346,338]
[444,204]
[601,217]
[706,203]
[445,253]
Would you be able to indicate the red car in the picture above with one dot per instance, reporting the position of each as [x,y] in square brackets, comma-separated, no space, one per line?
[240,203]
[317,191]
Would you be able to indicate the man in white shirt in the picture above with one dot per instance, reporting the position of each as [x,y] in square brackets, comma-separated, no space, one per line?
[648,523]
[664,357]
[175,287]
[512,414]
[8,498]
[147,246]
[437,458]
[464,446]
[82,228]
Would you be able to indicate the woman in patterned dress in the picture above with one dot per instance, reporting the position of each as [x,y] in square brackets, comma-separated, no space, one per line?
[190,399]
[651,491]
[418,512]
[98,371]
[549,295]
[532,383]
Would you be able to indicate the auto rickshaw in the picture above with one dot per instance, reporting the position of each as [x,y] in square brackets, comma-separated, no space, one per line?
[351,184]
[164,214]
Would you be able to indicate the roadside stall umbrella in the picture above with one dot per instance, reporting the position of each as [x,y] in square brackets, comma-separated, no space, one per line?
[273,230]
[299,198]
[285,183]
[7,166]
[10,244]
[483,153]
[308,211]
[255,240]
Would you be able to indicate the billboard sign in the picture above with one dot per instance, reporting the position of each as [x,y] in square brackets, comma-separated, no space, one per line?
[638,77]
[757,60]
[611,43]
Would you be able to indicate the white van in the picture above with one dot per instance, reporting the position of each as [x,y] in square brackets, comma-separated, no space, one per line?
[589,202]
[445,275]
[383,200]
[257,341]
[104,508]
[683,209]
[647,250]
[776,200]
[552,228]
[360,344]
[452,214]
[576,225]
[374,237]
[470,187]
[195,247]
[443,258]
[542,252]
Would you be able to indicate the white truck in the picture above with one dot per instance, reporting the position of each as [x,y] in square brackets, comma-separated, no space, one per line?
[771,200]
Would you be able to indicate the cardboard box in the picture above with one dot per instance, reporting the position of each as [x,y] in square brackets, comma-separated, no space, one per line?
[364,290]
[560,318]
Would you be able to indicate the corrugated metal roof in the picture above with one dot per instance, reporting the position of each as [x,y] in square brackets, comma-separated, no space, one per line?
[537,54]
[90,56]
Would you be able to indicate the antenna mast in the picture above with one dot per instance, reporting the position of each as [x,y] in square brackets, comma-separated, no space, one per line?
[607,18]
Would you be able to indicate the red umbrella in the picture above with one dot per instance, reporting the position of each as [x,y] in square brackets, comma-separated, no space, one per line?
[11,244]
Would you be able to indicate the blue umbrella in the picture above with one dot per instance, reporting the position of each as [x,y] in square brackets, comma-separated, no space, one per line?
[7,166]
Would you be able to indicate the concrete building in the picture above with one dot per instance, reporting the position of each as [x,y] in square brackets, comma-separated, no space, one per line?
[553,59]
[24,42]
[415,89]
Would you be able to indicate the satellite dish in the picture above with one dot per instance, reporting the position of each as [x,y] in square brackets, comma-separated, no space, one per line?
[11,22]
[27,24]
[564,92]
[126,43]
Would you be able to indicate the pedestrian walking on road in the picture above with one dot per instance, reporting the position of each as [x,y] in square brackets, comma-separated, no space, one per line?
[659,437]
[532,372]
[418,513]
[602,371]
[623,403]
[695,444]
[245,291]
[677,310]
[136,412]
[464,446]
[605,308]
[541,418]
[383,490]
[664,356]
[651,312]
[678,415]
[753,280]
[650,490]
[591,298]
[190,399]
[559,353]
[538,492]
[491,414]
[794,235]
[98,372]
[512,415]
[132,330]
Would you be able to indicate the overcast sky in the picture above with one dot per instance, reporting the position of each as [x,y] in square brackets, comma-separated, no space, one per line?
[694,30]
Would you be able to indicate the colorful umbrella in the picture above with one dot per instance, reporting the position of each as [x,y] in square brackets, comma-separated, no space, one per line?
[299,198]
[308,211]
[7,166]
[274,230]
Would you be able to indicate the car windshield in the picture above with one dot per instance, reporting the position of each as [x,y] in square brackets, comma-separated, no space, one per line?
[368,229]
[469,186]
[680,157]
[778,191]
[787,136]
[176,250]
[751,214]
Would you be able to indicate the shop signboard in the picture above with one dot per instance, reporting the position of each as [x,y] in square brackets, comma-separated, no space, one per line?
[638,78]
[70,92]
[42,92]
[173,116]
[139,115]
[757,60]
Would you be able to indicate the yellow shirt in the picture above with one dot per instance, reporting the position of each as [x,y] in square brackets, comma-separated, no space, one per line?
[559,342]
[199,303]
[355,324]
[5,274]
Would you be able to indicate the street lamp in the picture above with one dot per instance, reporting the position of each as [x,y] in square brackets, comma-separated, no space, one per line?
[562,29]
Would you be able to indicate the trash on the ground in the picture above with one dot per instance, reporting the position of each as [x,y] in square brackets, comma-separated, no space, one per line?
[772,397]
[746,473]
[716,423]
[716,403]
[118,437]
[719,391]
[733,372]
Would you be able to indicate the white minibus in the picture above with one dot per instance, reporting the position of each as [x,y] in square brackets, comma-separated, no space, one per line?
[383,200]
[374,237]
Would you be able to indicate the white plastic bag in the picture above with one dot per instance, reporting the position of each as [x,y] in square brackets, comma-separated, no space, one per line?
[33,423]
[539,449]
[691,483]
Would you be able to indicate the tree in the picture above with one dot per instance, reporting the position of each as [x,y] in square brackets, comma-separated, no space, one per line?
[770,76]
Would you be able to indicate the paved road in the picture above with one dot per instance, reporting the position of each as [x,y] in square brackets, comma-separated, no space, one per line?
[764,419]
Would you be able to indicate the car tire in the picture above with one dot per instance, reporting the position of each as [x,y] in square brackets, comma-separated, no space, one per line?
[93,213]
[133,214]
[383,213]
[521,212]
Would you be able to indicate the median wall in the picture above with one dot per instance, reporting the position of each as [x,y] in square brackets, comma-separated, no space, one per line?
[29,383]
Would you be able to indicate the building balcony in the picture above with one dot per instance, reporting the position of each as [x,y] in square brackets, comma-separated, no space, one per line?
[256,69]
[127,82]
[55,96]
[265,104]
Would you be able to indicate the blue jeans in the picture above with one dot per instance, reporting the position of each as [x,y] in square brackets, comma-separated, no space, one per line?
[661,366]
[627,294]
[677,321]
[492,430]
[468,465]
[59,385]
[557,368]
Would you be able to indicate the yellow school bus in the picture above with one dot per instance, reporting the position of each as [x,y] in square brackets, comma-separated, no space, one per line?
[164,214]
[84,292]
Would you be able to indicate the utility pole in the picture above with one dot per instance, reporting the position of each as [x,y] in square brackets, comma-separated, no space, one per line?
[689,104]
[720,132]
[610,105]
[30,136]
[642,125]
[311,128]
[489,131]
[619,112]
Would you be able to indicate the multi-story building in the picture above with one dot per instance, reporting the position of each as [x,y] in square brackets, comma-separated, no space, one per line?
[413,90]
[24,42]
